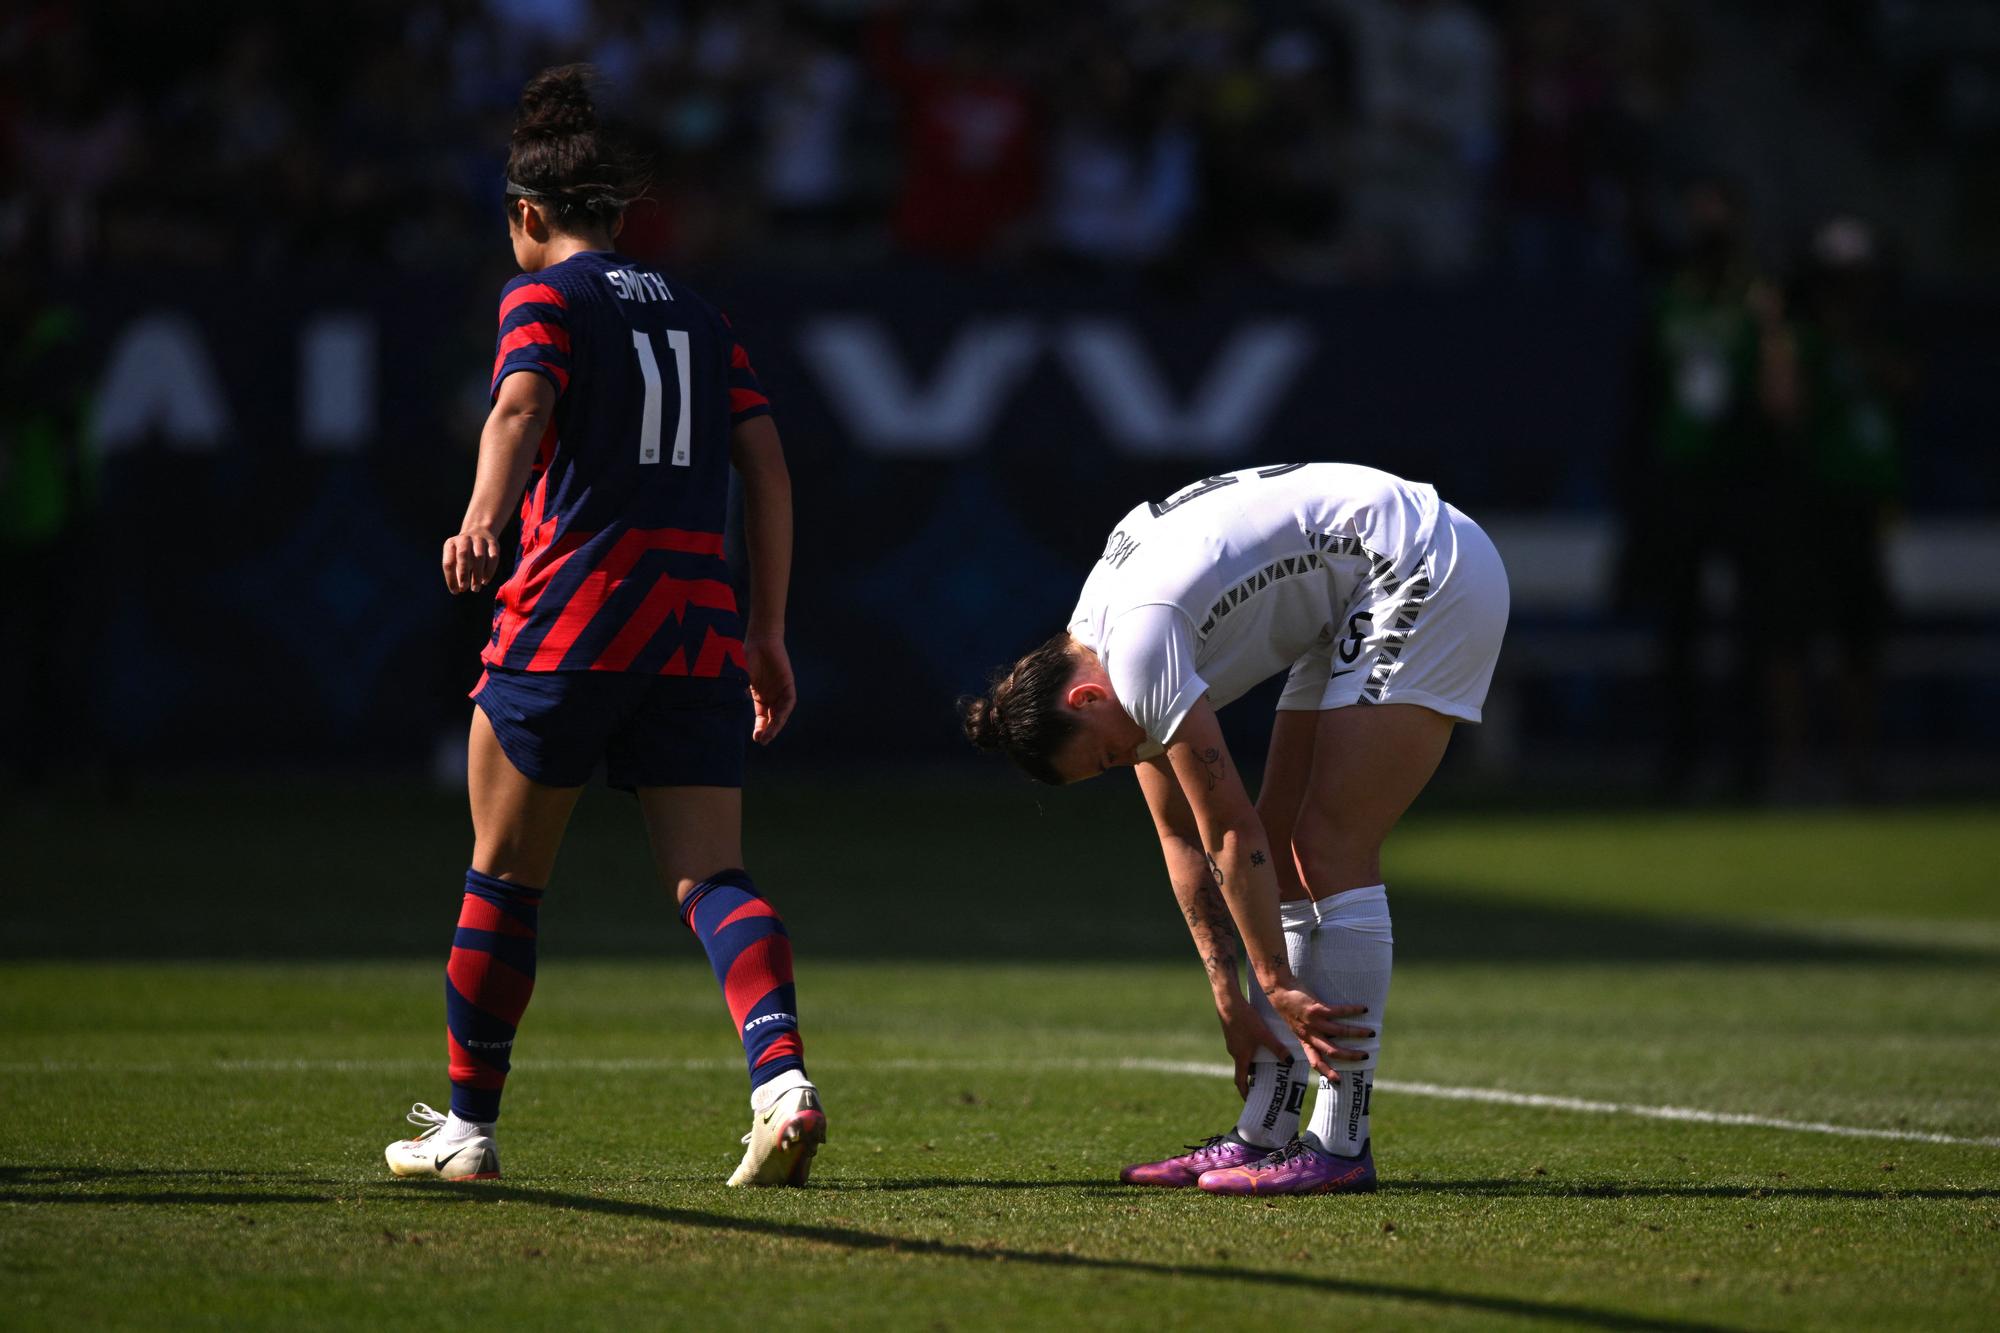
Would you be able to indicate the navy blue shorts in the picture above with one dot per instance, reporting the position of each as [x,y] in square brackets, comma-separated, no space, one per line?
[648,731]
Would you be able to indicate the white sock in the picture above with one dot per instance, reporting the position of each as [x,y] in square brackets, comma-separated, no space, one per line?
[1278,1078]
[765,1093]
[1348,959]
[455,1129]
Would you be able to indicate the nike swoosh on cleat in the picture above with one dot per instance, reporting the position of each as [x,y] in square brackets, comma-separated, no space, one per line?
[445,1160]
[1338,674]
[774,1109]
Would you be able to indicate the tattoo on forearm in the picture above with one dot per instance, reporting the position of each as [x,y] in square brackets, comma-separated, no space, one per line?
[1216,871]
[1215,764]
[1257,858]
[1215,934]
[1214,913]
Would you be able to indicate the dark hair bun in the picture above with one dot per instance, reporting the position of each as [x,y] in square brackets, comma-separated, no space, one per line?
[981,719]
[585,172]
[1037,724]
[555,104]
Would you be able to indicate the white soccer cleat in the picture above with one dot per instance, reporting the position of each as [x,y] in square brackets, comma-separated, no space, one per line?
[468,1157]
[782,1140]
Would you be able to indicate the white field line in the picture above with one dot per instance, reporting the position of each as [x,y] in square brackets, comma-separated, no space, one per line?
[1195,1068]
[1544,1102]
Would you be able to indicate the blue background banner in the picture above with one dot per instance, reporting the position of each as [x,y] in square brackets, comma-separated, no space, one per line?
[284,460]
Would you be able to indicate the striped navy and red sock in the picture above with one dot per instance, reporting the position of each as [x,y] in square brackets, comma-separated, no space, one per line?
[486,988]
[751,953]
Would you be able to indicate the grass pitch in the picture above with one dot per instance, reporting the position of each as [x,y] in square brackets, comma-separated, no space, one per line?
[205,1039]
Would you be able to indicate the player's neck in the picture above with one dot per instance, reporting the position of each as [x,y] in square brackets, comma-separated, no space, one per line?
[564,245]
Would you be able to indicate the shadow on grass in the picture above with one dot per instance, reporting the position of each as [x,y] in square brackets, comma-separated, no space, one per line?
[76,1174]
[852,1238]
[1431,927]
[1449,927]
[1521,1189]
[1555,1189]
[162,1197]
[39,1179]
[898,1185]
[1128,923]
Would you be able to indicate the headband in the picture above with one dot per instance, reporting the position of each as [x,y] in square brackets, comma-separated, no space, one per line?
[575,194]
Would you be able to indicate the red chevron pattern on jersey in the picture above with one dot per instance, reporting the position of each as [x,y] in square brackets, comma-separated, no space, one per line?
[620,565]
[533,334]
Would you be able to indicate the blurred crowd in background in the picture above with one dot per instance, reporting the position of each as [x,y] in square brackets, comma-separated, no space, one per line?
[1759,186]
[1332,140]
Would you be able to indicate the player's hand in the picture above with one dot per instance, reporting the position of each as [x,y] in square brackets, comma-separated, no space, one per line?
[773,692]
[1245,1034]
[470,560]
[1318,1025]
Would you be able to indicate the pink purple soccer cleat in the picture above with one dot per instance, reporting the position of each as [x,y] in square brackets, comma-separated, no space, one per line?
[1222,1151]
[1297,1168]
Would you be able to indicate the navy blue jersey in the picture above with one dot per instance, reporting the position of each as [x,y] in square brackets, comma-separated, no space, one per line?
[620,565]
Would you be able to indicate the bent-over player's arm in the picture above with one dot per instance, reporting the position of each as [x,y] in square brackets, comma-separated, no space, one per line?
[1187,870]
[1207,916]
[1239,858]
[759,459]
[522,408]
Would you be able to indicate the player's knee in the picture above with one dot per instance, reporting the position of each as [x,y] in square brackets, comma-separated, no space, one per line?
[512,861]
[685,884]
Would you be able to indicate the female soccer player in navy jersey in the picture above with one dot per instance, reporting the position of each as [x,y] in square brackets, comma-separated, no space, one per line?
[620,402]
[1387,606]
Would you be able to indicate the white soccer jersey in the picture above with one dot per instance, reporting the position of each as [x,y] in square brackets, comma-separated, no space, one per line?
[1231,580]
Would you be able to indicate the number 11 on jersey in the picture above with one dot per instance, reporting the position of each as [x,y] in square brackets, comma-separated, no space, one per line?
[649,421]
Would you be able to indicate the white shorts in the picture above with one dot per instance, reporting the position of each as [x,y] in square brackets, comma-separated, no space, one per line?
[1432,639]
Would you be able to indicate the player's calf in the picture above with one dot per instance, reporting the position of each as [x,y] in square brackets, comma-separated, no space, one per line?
[751,952]
[488,981]
[1349,960]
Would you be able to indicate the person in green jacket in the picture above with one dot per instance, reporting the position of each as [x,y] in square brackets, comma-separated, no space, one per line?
[1700,489]
[1841,447]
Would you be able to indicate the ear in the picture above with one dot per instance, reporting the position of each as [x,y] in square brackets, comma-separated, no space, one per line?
[617,226]
[532,221]
[1083,693]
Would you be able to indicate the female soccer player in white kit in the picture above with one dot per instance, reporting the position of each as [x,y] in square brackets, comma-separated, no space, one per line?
[1388,607]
